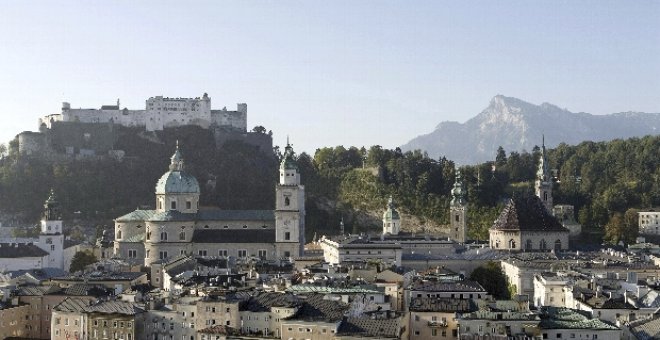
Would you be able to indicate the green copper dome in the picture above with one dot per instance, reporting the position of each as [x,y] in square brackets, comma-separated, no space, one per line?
[391,213]
[177,181]
[288,162]
[458,192]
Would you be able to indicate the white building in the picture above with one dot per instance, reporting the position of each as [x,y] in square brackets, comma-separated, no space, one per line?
[160,112]
[178,227]
[649,222]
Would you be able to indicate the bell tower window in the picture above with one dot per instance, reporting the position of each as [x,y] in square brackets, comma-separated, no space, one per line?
[287,201]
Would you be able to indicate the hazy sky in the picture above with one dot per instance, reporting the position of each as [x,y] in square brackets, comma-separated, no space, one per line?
[329,72]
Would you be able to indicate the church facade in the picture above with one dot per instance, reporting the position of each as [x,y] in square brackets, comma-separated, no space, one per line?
[527,222]
[178,227]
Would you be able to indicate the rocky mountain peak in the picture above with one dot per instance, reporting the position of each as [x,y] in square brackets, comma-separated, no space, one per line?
[517,125]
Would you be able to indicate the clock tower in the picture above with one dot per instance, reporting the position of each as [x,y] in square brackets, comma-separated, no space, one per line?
[289,208]
[51,238]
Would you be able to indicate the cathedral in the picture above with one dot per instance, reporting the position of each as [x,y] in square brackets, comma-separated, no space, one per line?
[178,227]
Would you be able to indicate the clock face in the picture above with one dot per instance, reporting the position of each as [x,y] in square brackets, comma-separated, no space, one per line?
[287,223]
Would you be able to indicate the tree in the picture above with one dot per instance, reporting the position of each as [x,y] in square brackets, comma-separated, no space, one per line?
[80,260]
[259,129]
[500,157]
[492,278]
[622,227]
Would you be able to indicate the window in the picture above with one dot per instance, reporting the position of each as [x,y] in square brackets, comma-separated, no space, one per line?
[202,252]
[287,254]
[188,205]
[244,226]
[542,245]
[287,236]
[132,253]
[242,253]
[262,253]
[223,252]
[119,234]
[163,236]
[173,205]
[162,255]
[434,332]
[287,201]
[182,236]
[52,247]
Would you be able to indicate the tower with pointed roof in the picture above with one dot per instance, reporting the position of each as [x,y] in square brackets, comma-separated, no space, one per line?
[51,238]
[543,184]
[289,207]
[391,219]
[458,210]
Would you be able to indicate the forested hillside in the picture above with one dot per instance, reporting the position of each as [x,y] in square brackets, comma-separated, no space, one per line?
[603,180]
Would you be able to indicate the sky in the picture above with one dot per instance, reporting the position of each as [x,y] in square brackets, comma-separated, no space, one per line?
[328,73]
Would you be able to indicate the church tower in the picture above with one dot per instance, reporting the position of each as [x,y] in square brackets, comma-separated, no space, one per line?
[176,189]
[458,210]
[391,219]
[543,184]
[51,238]
[289,208]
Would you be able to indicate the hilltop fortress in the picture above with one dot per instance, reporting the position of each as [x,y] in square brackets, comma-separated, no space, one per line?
[159,113]
[92,132]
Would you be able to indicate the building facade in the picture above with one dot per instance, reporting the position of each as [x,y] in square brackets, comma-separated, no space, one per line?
[178,227]
[159,113]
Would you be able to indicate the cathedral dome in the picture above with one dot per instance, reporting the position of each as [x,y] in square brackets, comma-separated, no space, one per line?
[177,181]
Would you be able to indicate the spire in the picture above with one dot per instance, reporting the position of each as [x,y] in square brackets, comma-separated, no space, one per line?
[288,161]
[341,226]
[458,193]
[543,172]
[52,207]
[176,162]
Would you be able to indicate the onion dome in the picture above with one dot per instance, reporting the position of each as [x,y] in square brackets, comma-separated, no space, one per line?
[391,213]
[288,162]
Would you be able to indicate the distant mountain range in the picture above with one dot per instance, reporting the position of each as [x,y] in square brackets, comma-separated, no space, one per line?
[517,125]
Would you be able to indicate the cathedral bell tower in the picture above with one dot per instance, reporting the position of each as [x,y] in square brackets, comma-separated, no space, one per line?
[543,184]
[289,208]
[458,211]
[51,238]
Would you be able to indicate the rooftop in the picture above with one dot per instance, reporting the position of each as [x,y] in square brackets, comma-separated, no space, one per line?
[527,213]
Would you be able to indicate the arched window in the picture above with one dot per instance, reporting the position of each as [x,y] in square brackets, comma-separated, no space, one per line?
[163,236]
[182,236]
[512,244]
[497,244]
[558,245]
[119,234]
[287,201]
[528,245]
[543,245]
[148,235]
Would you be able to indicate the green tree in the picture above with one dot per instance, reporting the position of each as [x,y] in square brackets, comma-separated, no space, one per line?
[492,278]
[80,260]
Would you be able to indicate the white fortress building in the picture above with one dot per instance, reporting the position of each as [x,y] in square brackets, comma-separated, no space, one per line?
[159,113]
